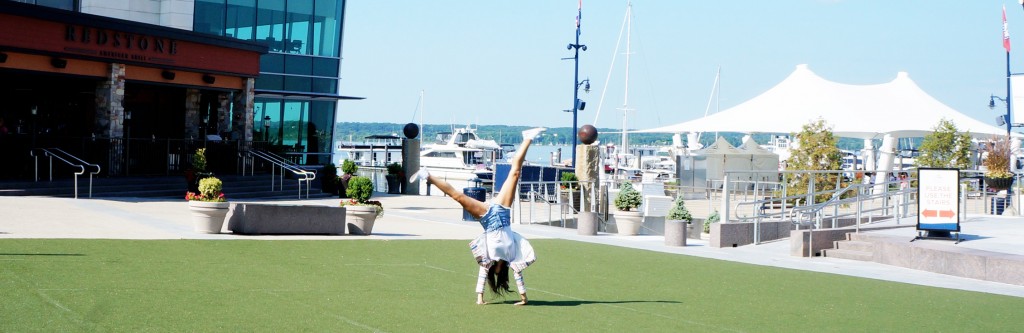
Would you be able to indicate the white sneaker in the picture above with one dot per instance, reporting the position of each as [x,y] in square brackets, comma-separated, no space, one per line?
[422,174]
[532,133]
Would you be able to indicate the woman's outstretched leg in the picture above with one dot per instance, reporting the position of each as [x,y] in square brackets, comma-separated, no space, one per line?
[508,190]
[468,203]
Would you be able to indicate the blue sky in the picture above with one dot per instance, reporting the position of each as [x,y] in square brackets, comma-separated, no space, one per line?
[499,62]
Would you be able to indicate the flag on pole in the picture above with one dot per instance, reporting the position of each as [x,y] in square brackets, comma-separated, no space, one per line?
[580,11]
[1006,33]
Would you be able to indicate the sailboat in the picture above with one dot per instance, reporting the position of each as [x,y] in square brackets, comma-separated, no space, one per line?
[623,162]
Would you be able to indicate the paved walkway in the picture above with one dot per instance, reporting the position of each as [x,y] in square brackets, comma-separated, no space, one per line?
[422,217]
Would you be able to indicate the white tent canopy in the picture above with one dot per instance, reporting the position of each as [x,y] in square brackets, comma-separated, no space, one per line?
[722,156]
[899,108]
[761,159]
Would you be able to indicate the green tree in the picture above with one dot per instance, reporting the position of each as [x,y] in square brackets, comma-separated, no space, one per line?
[816,150]
[945,147]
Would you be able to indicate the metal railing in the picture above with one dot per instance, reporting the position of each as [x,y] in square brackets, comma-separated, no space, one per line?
[67,158]
[282,164]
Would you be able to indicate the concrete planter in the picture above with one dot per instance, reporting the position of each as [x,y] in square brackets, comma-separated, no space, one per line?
[628,223]
[360,219]
[675,232]
[208,217]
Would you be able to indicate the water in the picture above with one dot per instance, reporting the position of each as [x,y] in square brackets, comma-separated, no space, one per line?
[541,154]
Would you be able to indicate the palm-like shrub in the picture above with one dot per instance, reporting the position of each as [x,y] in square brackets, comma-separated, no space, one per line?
[628,197]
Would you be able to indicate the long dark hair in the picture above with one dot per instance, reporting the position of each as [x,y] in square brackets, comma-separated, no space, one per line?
[498,282]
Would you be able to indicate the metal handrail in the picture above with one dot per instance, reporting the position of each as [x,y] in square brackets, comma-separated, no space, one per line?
[64,156]
[278,161]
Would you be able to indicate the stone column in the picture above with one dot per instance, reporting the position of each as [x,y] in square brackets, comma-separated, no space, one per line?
[224,117]
[588,166]
[109,119]
[243,105]
[192,114]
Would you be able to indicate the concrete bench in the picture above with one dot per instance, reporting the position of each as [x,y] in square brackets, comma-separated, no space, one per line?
[266,219]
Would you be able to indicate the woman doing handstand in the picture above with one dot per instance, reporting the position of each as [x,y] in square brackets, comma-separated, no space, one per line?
[498,248]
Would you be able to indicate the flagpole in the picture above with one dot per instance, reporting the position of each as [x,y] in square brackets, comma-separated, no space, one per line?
[576,80]
[1009,96]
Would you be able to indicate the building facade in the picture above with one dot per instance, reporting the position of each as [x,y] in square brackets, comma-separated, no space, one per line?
[137,85]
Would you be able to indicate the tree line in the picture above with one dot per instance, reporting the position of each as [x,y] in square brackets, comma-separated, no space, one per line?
[350,131]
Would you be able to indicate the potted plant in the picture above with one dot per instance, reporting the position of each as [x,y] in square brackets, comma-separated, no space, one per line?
[713,218]
[677,223]
[570,189]
[329,180]
[394,178]
[360,212]
[208,205]
[997,164]
[198,170]
[627,219]
[348,170]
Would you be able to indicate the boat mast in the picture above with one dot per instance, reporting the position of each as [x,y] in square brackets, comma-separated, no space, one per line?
[422,130]
[625,99]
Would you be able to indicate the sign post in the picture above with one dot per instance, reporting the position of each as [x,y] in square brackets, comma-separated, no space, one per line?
[938,203]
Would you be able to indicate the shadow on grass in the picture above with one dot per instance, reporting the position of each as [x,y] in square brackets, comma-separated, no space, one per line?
[43,254]
[585,302]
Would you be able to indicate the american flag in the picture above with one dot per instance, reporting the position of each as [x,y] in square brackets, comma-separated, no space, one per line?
[1006,33]
[580,10]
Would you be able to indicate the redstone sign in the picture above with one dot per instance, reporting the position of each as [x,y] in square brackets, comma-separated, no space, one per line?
[75,40]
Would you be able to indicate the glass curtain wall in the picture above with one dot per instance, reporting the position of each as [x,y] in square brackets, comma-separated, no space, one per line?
[296,126]
[304,39]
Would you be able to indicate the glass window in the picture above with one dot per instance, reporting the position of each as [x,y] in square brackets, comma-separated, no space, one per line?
[241,18]
[59,4]
[269,108]
[327,86]
[299,65]
[300,14]
[325,67]
[272,63]
[298,83]
[270,82]
[270,24]
[320,129]
[209,17]
[293,123]
[327,27]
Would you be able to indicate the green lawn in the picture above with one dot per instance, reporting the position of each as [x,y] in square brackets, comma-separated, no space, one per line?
[421,285]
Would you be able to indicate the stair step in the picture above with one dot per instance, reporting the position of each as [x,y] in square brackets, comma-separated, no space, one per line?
[235,186]
[848,254]
[855,246]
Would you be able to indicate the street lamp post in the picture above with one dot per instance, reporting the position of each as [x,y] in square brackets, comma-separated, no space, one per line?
[266,128]
[576,79]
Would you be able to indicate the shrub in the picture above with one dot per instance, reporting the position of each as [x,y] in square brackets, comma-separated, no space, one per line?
[199,160]
[713,218]
[997,158]
[210,189]
[329,182]
[679,211]
[360,189]
[569,180]
[628,197]
[349,167]
[394,169]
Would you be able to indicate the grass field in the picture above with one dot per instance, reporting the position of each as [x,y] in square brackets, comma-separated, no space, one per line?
[421,285]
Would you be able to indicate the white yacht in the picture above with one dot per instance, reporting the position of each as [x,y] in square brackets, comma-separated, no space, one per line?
[460,157]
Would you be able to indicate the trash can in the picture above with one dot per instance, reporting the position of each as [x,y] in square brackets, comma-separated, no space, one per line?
[478,193]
